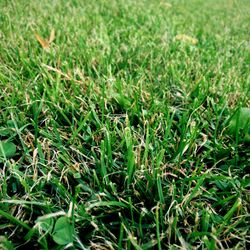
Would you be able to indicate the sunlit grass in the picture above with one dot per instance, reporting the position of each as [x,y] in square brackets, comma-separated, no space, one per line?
[120,123]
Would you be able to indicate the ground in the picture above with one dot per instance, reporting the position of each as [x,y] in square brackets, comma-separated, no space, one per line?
[115,124]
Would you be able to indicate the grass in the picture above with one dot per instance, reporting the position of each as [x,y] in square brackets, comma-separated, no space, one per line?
[117,133]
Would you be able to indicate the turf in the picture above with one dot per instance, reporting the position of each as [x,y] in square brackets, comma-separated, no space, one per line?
[115,134]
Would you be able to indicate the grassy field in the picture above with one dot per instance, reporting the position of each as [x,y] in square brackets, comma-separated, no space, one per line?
[114,119]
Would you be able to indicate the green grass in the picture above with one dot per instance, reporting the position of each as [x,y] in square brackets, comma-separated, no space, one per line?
[116,137]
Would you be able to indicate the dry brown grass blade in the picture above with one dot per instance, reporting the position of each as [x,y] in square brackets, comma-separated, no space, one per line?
[52,36]
[66,76]
[166,5]
[43,43]
[186,38]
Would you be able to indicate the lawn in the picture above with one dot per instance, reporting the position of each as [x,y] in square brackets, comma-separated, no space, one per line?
[121,124]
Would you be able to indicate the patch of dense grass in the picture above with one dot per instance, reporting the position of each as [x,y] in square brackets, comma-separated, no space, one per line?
[120,126]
